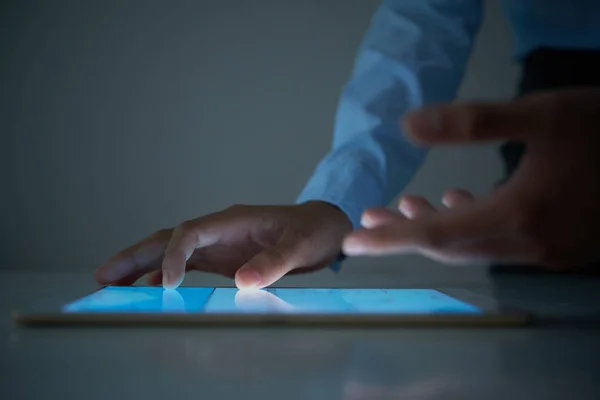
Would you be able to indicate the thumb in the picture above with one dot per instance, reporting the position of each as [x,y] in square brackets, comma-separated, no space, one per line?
[268,266]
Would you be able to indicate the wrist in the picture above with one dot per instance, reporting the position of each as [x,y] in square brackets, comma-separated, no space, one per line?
[331,209]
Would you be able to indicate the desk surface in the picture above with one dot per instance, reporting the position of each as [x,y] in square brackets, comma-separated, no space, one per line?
[557,361]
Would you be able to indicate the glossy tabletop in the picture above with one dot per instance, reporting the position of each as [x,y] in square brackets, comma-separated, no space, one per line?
[557,359]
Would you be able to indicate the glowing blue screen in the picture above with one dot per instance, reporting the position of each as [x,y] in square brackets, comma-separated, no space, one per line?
[138,299]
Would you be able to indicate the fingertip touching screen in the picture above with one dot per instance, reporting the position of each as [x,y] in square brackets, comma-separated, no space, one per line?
[137,299]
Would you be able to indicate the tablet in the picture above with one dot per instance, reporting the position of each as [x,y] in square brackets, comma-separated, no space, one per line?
[288,306]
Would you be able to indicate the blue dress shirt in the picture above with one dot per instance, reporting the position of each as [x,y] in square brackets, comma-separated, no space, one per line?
[415,53]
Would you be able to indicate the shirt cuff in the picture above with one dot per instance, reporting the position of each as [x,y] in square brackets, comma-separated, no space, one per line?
[348,181]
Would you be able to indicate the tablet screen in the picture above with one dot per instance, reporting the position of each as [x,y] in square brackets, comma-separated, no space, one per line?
[137,299]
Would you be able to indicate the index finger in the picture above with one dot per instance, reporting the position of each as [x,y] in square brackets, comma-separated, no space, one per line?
[186,238]
[140,258]
[473,122]
[544,114]
[191,235]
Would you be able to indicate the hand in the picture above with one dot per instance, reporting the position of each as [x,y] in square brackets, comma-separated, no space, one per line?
[547,213]
[256,245]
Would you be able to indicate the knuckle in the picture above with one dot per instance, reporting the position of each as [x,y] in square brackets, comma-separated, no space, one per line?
[303,238]
[411,197]
[276,261]
[236,208]
[164,232]
[276,256]
[161,233]
[122,255]
[186,229]
[175,256]
[303,242]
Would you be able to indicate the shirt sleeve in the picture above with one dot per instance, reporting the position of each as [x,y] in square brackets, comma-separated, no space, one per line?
[414,52]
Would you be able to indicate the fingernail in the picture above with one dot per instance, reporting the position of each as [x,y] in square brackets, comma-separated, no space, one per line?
[248,278]
[169,280]
[352,248]
[425,123]
[366,220]
[405,207]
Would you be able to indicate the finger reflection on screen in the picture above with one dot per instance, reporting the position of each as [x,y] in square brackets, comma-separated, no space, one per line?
[172,301]
[254,300]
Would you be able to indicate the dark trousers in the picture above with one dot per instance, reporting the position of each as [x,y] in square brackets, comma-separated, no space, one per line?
[547,69]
